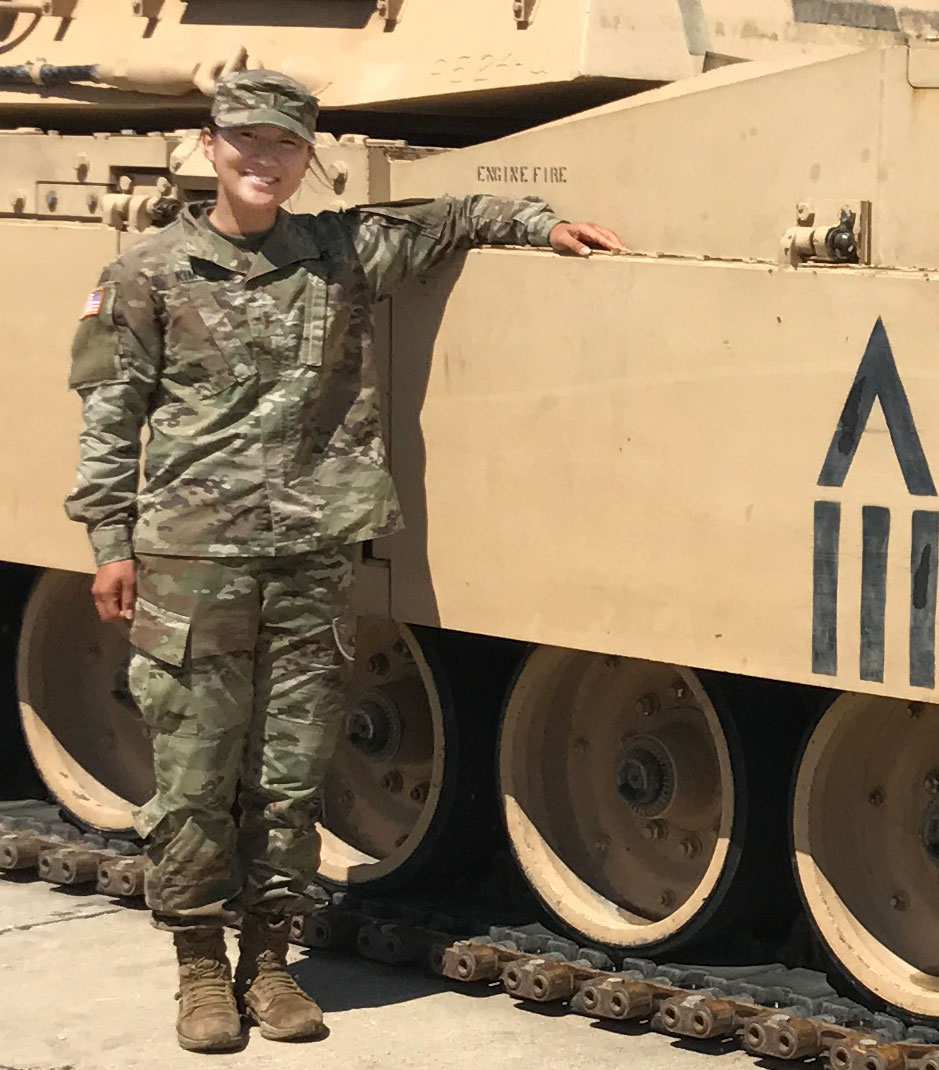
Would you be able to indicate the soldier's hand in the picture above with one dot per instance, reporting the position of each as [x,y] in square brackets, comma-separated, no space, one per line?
[580,239]
[115,590]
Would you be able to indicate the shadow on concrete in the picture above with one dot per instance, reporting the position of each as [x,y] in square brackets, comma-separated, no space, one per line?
[710,1047]
[628,1028]
[340,983]
[87,893]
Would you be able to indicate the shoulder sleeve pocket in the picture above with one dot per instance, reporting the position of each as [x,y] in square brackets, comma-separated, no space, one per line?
[96,357]
[429,215]
[160,632]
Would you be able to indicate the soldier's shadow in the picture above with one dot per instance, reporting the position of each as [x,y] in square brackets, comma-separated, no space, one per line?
[410,324]
[340,982]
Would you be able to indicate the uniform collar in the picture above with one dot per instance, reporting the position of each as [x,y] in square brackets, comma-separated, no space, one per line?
[285,245]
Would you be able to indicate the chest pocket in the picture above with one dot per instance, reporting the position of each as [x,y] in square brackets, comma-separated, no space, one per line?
[205,337]
[289,320]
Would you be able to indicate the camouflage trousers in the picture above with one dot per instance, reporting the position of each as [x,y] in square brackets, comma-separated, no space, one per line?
[239,668]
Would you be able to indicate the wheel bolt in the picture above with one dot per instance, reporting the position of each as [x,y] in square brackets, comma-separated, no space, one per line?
[931,782]
[420,791]
[667,899]
[690,847]
[392,781]
[899,901]
[915,709]
[378,665]
[679,688]
[655,830]
[876,796]
[400,647]
[647,705]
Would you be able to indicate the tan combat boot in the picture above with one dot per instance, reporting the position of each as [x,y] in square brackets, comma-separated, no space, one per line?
[208,1016]
[269,995]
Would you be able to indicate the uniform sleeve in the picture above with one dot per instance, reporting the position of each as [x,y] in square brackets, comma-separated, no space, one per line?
[116,359]
[398,240]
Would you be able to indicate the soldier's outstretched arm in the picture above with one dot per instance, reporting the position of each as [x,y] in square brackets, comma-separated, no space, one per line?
[116,358]
[400,239]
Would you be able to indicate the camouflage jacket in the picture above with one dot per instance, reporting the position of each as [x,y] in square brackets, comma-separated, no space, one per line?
[255,376]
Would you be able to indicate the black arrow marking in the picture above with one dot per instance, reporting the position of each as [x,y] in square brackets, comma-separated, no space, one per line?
[877,378]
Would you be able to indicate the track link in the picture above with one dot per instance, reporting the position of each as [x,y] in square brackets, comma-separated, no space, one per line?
[770,1011]
[33,837]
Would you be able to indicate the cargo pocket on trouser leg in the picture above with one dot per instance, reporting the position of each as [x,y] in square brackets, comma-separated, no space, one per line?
[159,640]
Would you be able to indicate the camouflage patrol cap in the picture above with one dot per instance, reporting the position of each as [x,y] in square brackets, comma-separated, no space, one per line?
[246,97]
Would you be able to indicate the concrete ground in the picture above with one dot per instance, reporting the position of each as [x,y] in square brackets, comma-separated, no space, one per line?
[86,984]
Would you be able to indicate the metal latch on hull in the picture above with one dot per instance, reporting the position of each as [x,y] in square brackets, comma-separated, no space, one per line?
[524,11]
[135,210]
[828,233]
[390,10]
[148,9]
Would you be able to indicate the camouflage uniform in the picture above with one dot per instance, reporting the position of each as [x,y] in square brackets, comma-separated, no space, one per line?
[239,676]
[254,374]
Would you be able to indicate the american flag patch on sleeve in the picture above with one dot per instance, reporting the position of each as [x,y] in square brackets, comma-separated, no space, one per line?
[94,303]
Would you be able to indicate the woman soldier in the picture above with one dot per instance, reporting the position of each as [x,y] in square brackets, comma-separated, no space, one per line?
[241,336]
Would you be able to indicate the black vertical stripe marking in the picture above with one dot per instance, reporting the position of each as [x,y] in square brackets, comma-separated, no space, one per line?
[877,378]
[876,536]
[825,588]
[923,598]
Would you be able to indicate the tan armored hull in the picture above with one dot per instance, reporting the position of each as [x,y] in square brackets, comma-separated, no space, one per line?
[660,423]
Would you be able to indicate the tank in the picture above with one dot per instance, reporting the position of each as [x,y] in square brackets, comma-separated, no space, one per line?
[663,615]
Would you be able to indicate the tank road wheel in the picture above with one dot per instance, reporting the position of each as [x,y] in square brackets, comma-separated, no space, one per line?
[83,730]
[865,822]
[624,794]
[406,799]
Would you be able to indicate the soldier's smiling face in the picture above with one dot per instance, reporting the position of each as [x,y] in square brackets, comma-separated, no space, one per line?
[259,166]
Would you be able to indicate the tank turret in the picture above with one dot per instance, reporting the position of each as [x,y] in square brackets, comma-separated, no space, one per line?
[465,69]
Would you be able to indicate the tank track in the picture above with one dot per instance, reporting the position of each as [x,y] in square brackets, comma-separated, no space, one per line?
[34,837]
[768,1009]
